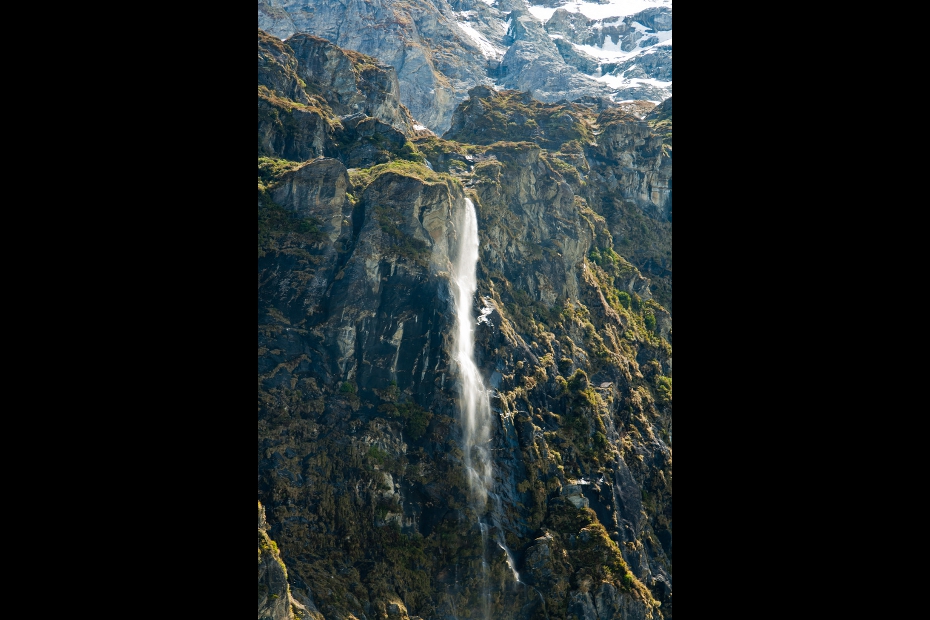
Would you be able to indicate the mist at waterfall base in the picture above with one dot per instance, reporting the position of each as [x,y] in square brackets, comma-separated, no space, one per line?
[474,406]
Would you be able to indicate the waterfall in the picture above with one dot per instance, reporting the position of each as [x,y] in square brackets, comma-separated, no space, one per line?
[474,407]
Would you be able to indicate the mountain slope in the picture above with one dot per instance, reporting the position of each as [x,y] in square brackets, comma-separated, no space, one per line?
[360,444]
[440,50]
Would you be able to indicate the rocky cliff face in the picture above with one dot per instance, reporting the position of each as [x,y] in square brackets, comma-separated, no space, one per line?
[442,49]
[647,32]
[534,64]
[360,460]
[274,595]
[430,53]
[315,99]
[612,157]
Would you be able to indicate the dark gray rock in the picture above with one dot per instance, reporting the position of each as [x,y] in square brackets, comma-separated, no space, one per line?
[350,83]
[317,190]
[576,58]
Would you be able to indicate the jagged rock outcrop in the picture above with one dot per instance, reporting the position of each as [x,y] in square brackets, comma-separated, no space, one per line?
[643,168]
[365,141]
[535,234]
[490,116]
[576,58]
[291,131]
[535,65]
[274,19]
[661,112]
[305,82]
[606,604]
[317,190]
[625,33]
[274,595]
[352,83]
[640,31]
[573,25]
[310,71]
[291,124]
[390,249]
[631,177]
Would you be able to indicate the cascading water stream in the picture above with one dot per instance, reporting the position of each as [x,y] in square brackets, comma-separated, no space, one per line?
[474,406]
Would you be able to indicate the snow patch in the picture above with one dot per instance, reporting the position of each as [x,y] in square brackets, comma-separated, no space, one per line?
[618,81]
[592,10]
[418,127]
[488,50]
[612,52]
[665,37]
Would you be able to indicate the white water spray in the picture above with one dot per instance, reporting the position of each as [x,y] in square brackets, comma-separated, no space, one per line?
[475,408]
[474,405]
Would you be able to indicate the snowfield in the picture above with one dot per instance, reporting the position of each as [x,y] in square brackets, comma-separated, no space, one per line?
[616,8]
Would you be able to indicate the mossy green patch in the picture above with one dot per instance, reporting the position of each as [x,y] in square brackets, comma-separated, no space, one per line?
[513,116]
[363,177]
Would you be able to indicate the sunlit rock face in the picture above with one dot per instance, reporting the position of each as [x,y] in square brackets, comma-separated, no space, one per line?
[440,50]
